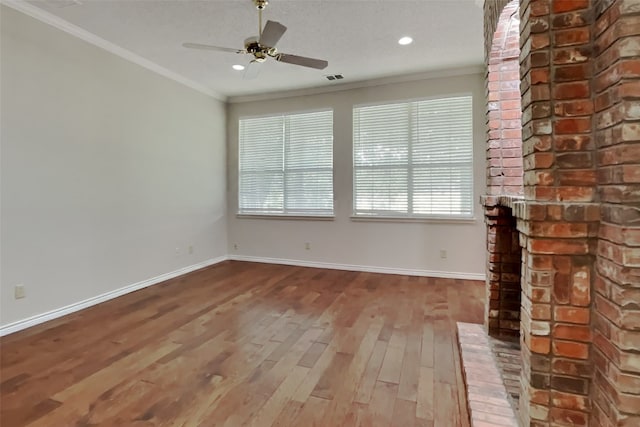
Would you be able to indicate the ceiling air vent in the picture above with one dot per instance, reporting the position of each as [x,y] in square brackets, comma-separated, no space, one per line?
[335,77]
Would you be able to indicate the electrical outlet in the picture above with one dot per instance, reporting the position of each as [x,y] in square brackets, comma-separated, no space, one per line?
[307,246]
[19,292]
[190,249]
[177,251]
[443,254]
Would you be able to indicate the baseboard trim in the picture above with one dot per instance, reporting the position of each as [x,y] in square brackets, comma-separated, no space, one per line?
[364,268]
[72,308]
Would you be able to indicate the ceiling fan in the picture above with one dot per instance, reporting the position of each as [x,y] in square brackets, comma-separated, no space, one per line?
[263,46]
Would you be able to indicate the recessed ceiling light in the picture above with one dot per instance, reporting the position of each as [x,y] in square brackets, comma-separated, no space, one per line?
[238,67]
[405,40]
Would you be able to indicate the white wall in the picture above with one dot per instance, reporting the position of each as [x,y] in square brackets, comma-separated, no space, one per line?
[410,247]
[106,168]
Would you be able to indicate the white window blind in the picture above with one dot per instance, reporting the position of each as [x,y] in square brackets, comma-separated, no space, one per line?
[414,159]
[286,165]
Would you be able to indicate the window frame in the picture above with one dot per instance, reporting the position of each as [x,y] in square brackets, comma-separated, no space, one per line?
[289,215]
[386,215]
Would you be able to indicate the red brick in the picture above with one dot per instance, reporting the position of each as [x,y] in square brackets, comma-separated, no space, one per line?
[629,68]
[570,37]
[577,177]
[561,247]
[571,55]
[554,212]
[572,126]
[570,401]
[573,367]
[541,311]
[617,234]
[560,6]
[581,287]
[575,193]
[540,345]
[539,8]
[571,90]
[568,417]
[562,289]
[539,75]
[571,315]
[629,89]
[572,19]
[576,107]
[574,350]
[539,41]
[573,143]
[562,229]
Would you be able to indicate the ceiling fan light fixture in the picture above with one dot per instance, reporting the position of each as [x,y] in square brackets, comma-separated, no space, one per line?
[405,41]
[262,47]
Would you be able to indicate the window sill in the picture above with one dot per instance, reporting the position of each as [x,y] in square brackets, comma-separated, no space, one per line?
[287,217]
[432,220]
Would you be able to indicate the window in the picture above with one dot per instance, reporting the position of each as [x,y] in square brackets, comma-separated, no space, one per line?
[286,165]
[414,159]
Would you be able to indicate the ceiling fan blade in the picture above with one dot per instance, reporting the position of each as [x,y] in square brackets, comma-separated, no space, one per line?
[210,47]
[252,70]
[319,64]
[271,34]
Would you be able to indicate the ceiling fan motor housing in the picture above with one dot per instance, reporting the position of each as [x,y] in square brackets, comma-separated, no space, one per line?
[260,52]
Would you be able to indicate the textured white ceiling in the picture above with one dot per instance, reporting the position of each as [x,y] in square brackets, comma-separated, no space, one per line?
[357,37]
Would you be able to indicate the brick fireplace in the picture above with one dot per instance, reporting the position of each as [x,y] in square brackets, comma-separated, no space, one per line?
[562,205]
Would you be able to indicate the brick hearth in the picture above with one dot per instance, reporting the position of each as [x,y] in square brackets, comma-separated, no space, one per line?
[487,396]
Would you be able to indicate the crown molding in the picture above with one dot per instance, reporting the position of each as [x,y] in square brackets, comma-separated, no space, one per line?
[69,28]
[402,78]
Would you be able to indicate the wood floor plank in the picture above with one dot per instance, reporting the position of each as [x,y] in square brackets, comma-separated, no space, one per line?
[84,393]
[351,377]
[332,376]
[269,412]
[446,400]
[312,413]
[370,375]
[392,364]
[404,413]
[426,354]
[289,412]
[382,403]
[248,344]
[425,401]
[312,355]
[412,356]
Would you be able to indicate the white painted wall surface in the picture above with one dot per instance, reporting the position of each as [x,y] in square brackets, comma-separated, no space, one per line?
[409,247]
[106,169]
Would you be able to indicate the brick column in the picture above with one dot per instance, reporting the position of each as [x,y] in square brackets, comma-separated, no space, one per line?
[617,299]
[558,220]
[558,247]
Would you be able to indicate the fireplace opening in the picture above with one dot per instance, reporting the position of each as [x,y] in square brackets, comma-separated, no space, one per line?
[504,297]
[505,268]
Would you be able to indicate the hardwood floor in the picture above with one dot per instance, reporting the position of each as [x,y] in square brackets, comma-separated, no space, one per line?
[249,344]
